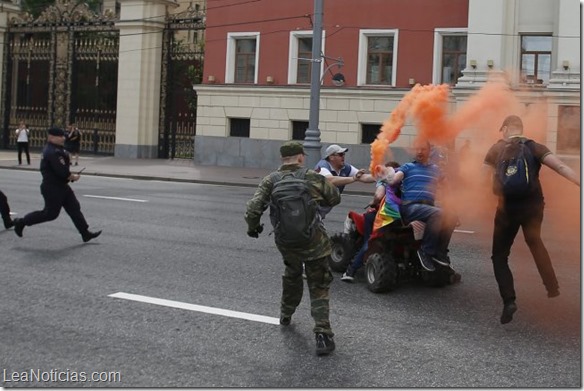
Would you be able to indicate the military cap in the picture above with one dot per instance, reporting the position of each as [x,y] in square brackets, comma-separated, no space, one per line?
[291,148]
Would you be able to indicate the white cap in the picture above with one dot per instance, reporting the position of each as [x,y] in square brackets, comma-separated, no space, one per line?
[334,148]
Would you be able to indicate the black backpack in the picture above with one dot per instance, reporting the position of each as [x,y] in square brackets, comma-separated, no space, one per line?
[293,210]
[516,171]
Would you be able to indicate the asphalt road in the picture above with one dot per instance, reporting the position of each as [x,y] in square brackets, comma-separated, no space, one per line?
[186,243]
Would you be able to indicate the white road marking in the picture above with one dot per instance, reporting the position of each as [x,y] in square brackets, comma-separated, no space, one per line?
[195,307]
[115,198]
[462,231]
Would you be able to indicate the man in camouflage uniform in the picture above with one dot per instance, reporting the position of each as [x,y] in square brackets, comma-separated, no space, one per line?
[314,255]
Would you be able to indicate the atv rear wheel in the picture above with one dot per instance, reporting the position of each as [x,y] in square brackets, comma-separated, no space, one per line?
[381,272]
[343,252]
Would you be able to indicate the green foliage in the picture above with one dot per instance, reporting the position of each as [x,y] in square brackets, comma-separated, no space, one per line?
[36,7]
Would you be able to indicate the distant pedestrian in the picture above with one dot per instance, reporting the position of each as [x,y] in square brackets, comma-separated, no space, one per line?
[22,140]
[55,189]
[333,167]
[523,210]
[73,142]
[313,253]
[5,211]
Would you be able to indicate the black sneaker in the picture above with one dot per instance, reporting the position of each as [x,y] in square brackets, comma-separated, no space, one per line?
[441,260]
[18,227]
[88,235]
[285,320]
[508,311]
[426,261]
[324,344]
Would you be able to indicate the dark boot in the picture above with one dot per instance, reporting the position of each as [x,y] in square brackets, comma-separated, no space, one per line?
[324,344]
[8,223]
[508,311]
[18,227]
[87,236]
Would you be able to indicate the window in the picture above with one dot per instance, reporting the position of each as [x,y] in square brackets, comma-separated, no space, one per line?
[449,55]
[453,58]
[536,55]
[245,50]
[242,58]
[299,129]
[369,133]
[300,56]
[304,67]
[568,130]
[239,127]
[379,60]
[377,57]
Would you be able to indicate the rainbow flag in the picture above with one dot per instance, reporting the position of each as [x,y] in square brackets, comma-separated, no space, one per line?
[388,211]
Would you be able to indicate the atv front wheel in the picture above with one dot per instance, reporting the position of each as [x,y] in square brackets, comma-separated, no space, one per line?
[343,252]
[381,272]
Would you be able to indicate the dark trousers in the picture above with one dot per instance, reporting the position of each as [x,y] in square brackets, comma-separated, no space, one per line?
[23,147]
[4,208]
[318,278]
[507,223]
[57,197]
[439,226]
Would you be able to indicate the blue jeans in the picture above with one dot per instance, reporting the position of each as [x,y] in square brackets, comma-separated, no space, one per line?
[368,227]
[437,233]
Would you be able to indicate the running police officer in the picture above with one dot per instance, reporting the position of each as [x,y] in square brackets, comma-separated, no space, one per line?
[55,189]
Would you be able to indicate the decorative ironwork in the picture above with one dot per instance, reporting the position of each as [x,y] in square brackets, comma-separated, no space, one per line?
[42,66]
[64,13]
[182,66]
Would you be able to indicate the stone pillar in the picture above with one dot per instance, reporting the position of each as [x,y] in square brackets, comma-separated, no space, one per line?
[138,108]
[566,69]
[488,23]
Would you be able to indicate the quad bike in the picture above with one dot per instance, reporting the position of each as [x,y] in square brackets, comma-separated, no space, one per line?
[391,257]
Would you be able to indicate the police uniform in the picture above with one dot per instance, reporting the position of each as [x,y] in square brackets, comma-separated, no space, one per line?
[56,191]
[314,255]
[5,211]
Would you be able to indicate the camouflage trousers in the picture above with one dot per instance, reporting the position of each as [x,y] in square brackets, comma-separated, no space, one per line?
[318,278]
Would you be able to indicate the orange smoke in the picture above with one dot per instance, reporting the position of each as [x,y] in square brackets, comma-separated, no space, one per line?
[429,111]
[428,107]
[391,128]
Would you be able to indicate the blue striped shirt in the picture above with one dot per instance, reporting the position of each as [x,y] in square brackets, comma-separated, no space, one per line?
[420,181]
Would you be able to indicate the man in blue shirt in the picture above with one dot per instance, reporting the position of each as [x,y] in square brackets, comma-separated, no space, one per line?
[419,180]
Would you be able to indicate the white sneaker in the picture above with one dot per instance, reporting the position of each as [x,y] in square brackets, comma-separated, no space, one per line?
[347,278]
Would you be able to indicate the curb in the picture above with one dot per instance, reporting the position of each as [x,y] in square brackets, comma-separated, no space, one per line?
[169,179]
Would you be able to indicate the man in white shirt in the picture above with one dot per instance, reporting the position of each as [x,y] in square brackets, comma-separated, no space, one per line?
[340,174]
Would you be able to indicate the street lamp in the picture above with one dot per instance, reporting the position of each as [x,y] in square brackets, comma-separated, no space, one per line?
[312,144]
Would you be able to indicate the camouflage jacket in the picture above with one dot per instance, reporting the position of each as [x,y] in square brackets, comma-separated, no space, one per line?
[322,191]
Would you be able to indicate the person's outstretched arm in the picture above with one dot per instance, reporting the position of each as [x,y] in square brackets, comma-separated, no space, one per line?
[553,162]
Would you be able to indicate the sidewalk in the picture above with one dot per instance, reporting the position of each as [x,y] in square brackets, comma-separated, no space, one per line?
[179,170]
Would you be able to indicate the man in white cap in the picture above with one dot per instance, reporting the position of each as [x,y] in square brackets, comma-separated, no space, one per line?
[334,169]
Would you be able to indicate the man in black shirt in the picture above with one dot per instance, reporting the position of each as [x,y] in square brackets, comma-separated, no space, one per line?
[525,211]
[55,189]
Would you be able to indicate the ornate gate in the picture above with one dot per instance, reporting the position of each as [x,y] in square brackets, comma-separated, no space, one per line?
[182,66]
[62,68]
